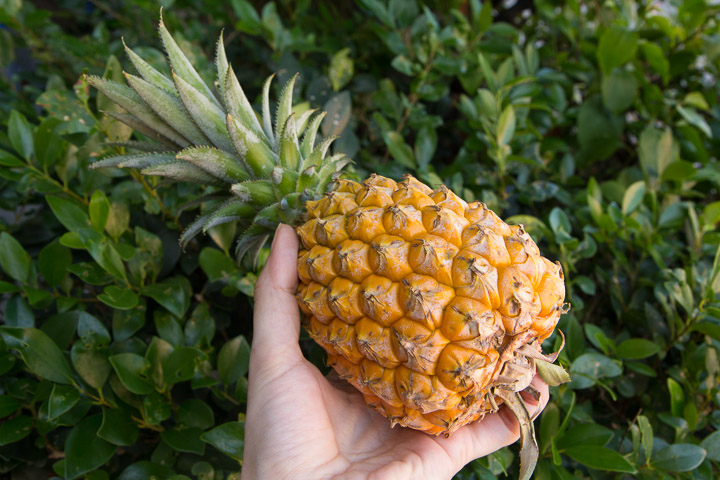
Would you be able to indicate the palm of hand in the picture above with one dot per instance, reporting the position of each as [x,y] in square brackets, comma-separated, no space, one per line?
[301,424]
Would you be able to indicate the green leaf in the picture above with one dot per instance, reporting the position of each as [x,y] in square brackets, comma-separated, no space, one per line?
[248,19]
[599,131]
[400,150]
[677,397]
[339,111]
[425,146]
[695,119]
[549,425]
[711,444]
[585,434]
[679,457]
[107,256]
[633,197]
[641,368]
[560,224]
[156,354]
[69,213]
[7,159]
[181,364]
[229,438]
[233,360]
[216,264]
[132,370]
[590,367]
[84,450]
[619,90]
[41,355]
[7,287]
[119,297]
[506,126]
[646,435]
[617,46]
[18,313]
[62,398]
[90,353]
[482,19]
[168,328]
[157,408]
[697,100]
[678,171]
[600,458]
[15,429]
[200,327]
[657,150]
[172,293]
[145,470]
[53,262]
[184,440]
[637,348]
[21,135]
[14,260]
[117,427]
[8,405]
[126,322]
[90,360]
[99,210]
[194,412]
[118,219]
[341,69]
[655,56]
[552,374]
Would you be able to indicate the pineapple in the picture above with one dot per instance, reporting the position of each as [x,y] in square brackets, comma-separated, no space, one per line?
[432,307]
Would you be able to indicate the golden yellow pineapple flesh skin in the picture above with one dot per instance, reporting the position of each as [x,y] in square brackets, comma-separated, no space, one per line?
[423,302]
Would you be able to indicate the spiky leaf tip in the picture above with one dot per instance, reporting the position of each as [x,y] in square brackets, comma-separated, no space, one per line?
[210,134]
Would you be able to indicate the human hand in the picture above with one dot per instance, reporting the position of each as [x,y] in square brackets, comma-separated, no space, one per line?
[303,425]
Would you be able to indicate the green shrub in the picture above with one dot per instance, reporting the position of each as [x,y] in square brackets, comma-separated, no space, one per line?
[594,124]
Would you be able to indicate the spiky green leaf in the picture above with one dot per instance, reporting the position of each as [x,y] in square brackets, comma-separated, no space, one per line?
[308,142]
[266,115]
[216,162]
[257,192]
[254,152]
[221,64]
[183,172]
[169,107]
[134,104]
[182,67]
[143,129]
[207,114]
[148,72]
[233,210]
[289,150]
[135,160]
[284,108]
[239,106]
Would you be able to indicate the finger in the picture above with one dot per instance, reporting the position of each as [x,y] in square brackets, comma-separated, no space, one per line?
[339,384]
[499,429]
[276,321]
[536,406]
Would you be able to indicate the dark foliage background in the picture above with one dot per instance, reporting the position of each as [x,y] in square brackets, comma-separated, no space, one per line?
[595,124]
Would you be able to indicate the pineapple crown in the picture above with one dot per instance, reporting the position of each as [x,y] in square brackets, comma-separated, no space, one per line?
[214,137]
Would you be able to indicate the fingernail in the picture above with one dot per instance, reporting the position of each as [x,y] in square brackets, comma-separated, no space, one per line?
[275,237]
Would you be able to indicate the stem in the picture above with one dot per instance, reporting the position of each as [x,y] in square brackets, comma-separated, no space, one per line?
[99,400]
[142,424]
[150,190]
[62,187]
[413,98]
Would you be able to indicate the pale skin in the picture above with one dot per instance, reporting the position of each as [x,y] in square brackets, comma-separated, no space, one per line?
[303,425]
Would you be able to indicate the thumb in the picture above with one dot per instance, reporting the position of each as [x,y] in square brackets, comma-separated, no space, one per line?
[276,321]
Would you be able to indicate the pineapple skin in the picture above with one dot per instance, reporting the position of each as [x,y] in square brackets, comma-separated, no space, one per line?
[423,302]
